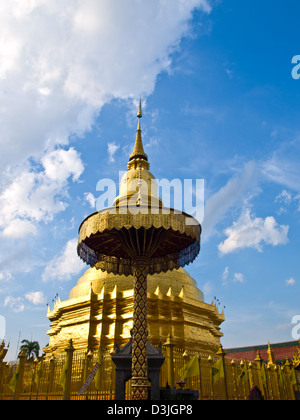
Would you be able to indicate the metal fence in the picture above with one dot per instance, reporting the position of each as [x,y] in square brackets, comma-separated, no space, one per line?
[48,379]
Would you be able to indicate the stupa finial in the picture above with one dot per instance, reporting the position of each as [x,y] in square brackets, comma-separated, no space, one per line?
[140,114]
[138,155]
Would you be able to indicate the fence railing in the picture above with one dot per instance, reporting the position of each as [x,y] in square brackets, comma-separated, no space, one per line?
[62,376]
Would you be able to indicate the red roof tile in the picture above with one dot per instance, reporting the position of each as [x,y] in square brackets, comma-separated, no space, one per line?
[281,351]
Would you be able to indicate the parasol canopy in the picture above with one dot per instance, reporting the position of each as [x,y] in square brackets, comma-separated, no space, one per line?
[110,241]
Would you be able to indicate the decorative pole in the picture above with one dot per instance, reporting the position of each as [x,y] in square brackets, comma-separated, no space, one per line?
[251,381]
[3,352]
[139,379]
[200,376]
[50,376]
[221,352]
[262,374]
[88,365]
[170,360]
[19,375]
[288,365]
[66,375]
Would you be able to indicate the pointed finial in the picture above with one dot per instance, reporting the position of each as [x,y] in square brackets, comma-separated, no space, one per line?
[140,114]
[221,351]
[258,357]
[271,358]
[157,290]
[138,155]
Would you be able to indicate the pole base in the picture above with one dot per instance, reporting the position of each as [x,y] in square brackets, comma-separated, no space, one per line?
[139,387]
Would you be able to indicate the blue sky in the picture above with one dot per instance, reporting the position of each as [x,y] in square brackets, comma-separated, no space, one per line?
[219,103]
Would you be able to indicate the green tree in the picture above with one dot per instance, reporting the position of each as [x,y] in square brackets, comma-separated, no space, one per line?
[32,348]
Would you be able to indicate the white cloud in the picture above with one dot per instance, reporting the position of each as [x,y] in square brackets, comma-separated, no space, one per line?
[59,64]
[111,150]
[233,193]
[61,164]
[18,228]
[284,197]
[252,232]
[225,274]
[287,198]
[65,265]
[15,304]
[282,170]
[290,282]
[6,277]
[207,288]
[33,195]
[36,298]
[90,199]
[238,278]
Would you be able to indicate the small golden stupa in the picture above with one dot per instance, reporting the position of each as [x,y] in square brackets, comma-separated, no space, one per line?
[99,311]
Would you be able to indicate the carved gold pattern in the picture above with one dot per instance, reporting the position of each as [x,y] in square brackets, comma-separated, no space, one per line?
[139,343]
[104,220]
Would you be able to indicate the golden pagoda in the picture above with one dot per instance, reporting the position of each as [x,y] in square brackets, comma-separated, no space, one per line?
[99,311]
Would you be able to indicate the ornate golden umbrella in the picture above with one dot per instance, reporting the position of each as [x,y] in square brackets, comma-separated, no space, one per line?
[139,236]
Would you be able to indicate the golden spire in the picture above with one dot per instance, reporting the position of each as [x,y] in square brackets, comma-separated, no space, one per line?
[138,156]
[271,358]
[138,180]
[140,114]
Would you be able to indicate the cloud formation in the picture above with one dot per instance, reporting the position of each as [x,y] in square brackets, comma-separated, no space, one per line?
[15,304]
[36,195]
[252,232]
[290,282]
[60,64]
[64,265]
[36,298]
[112,148]
[282,167]
[232,194]
[89,197]
[237,277]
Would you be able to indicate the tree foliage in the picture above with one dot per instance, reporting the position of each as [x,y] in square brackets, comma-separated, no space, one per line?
[31,348]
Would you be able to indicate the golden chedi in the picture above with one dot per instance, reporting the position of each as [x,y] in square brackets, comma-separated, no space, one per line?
[100,306]
[99,311]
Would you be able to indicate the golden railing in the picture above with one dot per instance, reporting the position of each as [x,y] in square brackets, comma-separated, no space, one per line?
[43,379]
